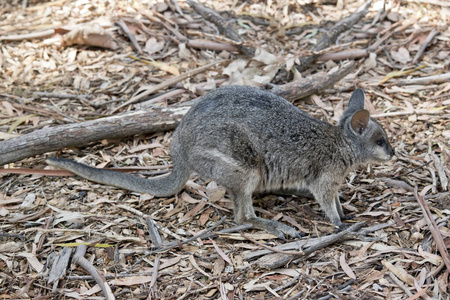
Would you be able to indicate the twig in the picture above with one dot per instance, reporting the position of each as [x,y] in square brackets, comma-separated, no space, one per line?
[297,296]
[224,27]
[276,260]
[78,258]
[413,170]
[441,78]
[177,7]
[113,276]
[130,35]
[35,110]
[209,45]
[187,291]
[331,36]
[163,97]
[288,284]
[345,54]
[180,38]
[400,284]
[422,48]
[433,2]
[28,36]
[433,229]
[155,272]
[167,83]
[154,234]
[202,234]
[271,248]
[62,96]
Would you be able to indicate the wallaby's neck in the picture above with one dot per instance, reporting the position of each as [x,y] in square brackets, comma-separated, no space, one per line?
[358,153]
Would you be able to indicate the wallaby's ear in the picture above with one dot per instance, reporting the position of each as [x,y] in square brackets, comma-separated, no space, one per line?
[360,119]
[356,101]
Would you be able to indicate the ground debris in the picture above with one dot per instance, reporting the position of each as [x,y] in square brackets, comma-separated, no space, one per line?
[160,56]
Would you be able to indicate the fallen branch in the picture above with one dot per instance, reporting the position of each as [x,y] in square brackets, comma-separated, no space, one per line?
[80,134]
[314,84]
[331,36]
[224,27]
[307,246]
[152,89]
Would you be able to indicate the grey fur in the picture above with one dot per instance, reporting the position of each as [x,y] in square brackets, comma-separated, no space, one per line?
[249,141]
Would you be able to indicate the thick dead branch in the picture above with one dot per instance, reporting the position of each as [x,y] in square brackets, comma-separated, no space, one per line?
[224,27]
[331,36]
[80,134]
[276,260]
[312,85]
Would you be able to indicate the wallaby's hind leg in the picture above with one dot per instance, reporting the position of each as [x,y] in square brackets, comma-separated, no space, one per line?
[244,213]
[240,181]
[339,207]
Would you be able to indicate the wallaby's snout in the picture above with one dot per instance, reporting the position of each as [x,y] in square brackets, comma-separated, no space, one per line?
[391,151]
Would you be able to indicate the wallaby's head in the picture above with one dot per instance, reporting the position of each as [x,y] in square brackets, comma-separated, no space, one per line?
[368,138]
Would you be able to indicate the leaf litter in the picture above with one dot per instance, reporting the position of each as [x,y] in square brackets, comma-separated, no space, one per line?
[77,53]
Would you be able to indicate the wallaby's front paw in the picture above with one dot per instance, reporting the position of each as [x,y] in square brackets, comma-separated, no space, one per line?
[274,227]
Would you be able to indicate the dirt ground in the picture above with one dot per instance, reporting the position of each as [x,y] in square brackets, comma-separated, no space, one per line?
[67,62]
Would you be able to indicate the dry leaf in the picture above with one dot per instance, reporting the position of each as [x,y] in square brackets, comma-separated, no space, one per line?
[399,272]
[220,252]
[194,211]
[183,52]
[401,55]
[346,267]
[33,261]
[90,34]
[152,45]
[265,57]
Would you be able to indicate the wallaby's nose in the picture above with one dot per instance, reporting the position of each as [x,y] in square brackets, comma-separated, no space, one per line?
[393,152]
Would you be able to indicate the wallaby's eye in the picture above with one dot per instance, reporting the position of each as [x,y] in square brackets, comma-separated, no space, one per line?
[381,142]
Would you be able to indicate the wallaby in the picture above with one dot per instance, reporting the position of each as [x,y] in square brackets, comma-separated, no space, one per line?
[249,141]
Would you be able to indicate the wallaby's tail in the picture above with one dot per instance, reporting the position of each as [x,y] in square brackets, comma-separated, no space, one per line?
[159,186]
